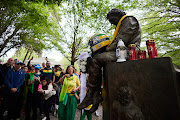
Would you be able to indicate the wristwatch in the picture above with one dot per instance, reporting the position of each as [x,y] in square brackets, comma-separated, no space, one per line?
[17,88]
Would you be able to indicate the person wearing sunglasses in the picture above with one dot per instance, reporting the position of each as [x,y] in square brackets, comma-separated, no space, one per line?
[67,101]
[3,70]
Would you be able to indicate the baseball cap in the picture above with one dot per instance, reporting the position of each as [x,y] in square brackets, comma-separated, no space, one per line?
[18,62]
[37,66]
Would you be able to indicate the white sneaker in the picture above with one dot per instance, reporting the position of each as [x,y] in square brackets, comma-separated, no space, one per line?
[96,113]
[56,107]
[44,118]
[54,113]
[5,113]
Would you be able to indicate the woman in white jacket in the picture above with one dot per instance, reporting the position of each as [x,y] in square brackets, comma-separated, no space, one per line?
[49,95]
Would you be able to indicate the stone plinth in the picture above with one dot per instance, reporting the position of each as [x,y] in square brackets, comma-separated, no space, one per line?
[154,86]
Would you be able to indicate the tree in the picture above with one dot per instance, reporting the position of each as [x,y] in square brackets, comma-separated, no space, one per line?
[21,52]
[79,19]
[162,23]
[27,25]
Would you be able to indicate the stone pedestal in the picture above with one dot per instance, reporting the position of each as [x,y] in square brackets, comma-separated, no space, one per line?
[154,86]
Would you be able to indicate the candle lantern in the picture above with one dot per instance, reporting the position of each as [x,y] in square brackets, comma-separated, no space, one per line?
[121,52]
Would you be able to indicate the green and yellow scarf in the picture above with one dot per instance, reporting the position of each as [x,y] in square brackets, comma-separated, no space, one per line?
[31,88]
[63,96]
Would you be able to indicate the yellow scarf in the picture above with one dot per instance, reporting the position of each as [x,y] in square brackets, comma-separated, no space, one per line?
[117,29]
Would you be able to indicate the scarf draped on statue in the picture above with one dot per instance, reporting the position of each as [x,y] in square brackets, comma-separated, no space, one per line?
[117,28]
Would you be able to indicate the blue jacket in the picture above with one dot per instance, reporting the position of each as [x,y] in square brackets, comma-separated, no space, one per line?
[14,79]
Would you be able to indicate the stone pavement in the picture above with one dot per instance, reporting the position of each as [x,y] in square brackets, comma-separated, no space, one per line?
[78,113]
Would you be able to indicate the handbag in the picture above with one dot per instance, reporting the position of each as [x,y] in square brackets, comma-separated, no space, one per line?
[55,86]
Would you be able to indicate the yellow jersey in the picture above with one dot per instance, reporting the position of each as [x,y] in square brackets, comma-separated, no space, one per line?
[58,73]
[73,84]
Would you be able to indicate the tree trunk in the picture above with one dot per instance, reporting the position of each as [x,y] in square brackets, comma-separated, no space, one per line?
[13,46]
[30,54]
[26,55]
[73,54]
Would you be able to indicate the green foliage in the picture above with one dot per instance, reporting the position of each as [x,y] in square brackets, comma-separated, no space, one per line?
[20,54]
[45,2]
[79,20]
[161,22]
[66,62]
[27,25]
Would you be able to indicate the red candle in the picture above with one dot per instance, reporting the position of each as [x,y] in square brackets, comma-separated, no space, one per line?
[132,52]
[142,54]
[152,52]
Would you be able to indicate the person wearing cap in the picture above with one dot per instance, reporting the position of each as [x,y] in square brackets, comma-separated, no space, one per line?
[14,79]
[33,98]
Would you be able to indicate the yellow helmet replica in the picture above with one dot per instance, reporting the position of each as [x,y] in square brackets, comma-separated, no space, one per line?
[99,41]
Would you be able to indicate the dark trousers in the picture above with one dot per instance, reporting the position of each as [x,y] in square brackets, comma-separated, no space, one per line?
[20,101]
[12,101]
[47,106]
[1,109]
[41,106]
[31,103]
[5,101]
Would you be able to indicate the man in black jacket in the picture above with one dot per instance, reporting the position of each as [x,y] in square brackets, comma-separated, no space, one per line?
[3,70]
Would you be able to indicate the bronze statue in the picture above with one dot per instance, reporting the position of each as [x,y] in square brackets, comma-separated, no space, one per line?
[129,31]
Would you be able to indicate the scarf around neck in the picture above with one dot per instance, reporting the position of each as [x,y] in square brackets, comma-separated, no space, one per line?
[65,88]
[31,79]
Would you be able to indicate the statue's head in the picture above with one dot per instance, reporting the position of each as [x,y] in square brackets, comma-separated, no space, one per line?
[115,15]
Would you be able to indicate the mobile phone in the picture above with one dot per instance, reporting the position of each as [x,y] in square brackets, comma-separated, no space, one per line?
[36,75]
[40,86]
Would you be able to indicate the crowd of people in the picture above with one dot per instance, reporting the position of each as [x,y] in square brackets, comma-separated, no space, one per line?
[35,89]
